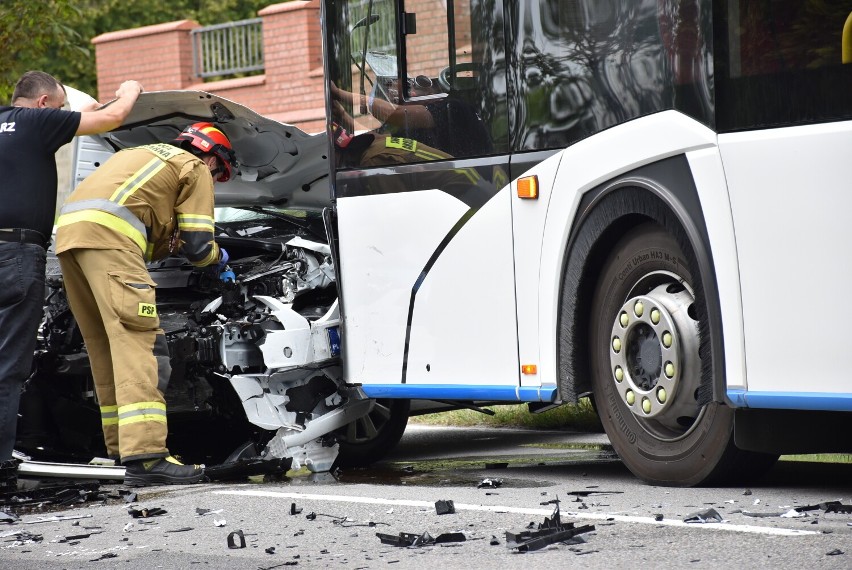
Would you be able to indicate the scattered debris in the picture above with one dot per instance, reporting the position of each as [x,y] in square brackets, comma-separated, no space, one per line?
[594,492]
[294,510]
[202,512]
[57,518]
[145,513]
[490,483]
[243,468]
[181,529]
[551,531]
[747,492]
[239,534]
[270,550]
[23,536]
[221,522]
[8,517]
[658,517]
[104,556]
[405,539]
[705,516]
[445,507]
[834,552]
[494,541]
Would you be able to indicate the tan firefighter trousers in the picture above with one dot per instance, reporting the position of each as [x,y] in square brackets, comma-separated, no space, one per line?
[112,297]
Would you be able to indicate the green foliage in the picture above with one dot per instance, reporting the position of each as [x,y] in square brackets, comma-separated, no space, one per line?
[55,35]
[578,417]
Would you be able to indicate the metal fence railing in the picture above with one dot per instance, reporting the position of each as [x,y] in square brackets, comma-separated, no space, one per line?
[227,49]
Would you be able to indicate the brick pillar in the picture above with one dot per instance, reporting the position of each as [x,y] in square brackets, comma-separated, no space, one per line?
[159,57]
[292,44]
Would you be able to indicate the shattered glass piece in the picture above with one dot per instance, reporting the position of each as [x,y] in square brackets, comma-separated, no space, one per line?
[705,516]
[792,514]
[445,507]
[222,522]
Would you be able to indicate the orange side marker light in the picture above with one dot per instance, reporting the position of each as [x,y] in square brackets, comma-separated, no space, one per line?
[528,187]
[529,369]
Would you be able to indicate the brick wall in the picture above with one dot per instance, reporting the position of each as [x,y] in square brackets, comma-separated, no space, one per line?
[290,90]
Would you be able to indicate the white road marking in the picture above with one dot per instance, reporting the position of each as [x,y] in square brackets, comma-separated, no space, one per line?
[524,511]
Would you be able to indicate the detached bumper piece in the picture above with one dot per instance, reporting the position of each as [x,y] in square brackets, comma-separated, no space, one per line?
[551,531]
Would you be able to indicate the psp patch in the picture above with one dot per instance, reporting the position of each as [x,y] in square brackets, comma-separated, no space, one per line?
[147,310]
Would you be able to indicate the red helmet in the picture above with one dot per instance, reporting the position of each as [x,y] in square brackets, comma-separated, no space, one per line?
[208,139]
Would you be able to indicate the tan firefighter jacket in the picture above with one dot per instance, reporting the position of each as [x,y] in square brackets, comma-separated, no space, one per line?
[155,199]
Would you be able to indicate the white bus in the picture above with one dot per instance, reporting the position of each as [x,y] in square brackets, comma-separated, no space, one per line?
[645,202]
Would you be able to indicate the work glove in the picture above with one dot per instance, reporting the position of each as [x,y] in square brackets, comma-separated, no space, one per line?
[221,269]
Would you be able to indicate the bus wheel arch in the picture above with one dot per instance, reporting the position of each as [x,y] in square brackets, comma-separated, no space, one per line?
[629,247]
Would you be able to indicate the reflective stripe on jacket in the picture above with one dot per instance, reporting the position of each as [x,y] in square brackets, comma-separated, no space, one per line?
[154,199]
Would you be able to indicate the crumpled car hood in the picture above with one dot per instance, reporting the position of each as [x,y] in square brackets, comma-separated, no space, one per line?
[278,163]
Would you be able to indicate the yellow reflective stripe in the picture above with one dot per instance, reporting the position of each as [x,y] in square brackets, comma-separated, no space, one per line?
[107,220]
[428,155]
[141,406]
[401,143]
[195,222]
[136,180]
[109,415]
[141,412]
[161,418]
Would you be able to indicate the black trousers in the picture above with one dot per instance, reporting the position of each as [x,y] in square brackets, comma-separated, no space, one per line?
[22,292]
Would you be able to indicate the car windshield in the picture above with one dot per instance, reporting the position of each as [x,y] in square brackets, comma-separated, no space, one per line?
[267,221]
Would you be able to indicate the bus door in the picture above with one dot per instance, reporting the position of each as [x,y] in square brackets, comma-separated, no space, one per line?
[426,270]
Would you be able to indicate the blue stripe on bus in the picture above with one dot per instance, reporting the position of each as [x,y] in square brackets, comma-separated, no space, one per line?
[832,402]
[461,392]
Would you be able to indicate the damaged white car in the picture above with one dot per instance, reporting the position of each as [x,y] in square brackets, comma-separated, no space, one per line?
[256,373]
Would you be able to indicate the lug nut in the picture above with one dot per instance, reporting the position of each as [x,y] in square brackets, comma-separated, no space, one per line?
[655,316]
[630,397]
[624,319]
[661,395]
[667,339]
[670,370]
[619,374]
[646,405]
[616,344]
[638,308]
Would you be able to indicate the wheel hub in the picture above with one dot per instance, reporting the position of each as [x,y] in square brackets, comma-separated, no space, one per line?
[654,356]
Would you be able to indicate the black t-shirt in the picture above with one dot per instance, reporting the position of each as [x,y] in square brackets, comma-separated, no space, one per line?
[29,139]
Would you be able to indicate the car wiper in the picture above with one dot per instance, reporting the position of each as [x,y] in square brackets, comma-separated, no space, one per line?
[292,220]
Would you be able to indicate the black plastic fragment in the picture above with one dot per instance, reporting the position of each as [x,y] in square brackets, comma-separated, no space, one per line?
[405,539]
[552,530]
[294,510]
[311,516]
[494,541]
[445,507]
[658,517]
[145,513]
[104,556]
[8,517]
[239,534]
[242,468]
[834,552]
[270,550]
[836,507]
[705,516]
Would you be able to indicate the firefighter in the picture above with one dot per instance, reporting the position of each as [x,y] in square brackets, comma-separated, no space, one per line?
[143,204]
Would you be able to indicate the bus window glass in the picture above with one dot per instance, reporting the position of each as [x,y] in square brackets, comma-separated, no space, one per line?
[781,62]
[441,96]
[586,65]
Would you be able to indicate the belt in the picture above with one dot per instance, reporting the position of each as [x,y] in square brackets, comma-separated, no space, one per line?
[22,235]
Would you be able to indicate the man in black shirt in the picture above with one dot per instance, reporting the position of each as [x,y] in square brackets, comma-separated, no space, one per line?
[31,131]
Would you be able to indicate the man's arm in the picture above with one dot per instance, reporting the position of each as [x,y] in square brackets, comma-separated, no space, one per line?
[113,114]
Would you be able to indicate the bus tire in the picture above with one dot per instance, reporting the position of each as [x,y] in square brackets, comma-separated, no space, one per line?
[646,369]
[369,439]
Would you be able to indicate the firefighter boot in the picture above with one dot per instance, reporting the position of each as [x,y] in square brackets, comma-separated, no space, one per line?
[161,471]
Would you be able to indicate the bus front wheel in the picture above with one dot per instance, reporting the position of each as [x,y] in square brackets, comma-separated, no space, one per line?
[646,368]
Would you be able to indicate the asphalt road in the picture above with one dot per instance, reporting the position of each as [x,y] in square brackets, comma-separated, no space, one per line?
[450,464]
